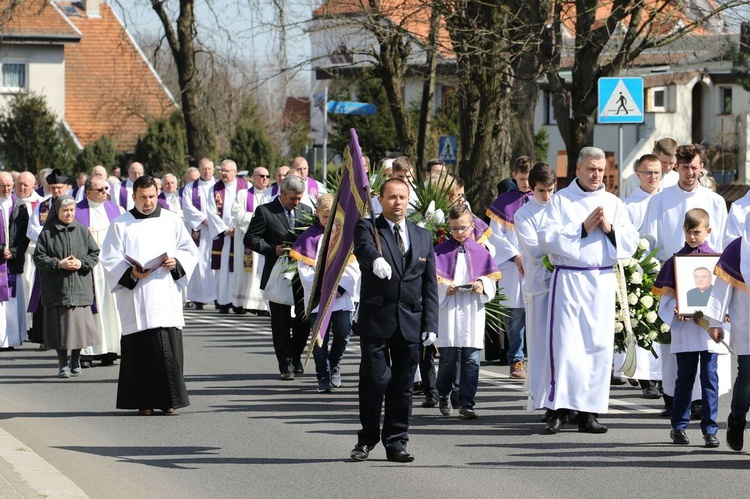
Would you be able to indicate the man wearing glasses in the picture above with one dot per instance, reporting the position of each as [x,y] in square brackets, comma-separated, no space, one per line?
[96,213]
[664,150]
[246,293]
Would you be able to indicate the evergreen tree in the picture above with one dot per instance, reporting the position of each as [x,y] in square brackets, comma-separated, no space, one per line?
[102,152]
[163,149]
[249,146]
[31,137]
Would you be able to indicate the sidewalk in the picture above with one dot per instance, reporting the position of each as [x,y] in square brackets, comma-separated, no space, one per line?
[24,474]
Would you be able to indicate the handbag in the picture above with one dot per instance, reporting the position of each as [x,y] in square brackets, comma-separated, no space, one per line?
[279,286]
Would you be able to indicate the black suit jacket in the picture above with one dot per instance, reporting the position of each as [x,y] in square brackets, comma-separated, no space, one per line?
[408,301]
[17,242]
[268,228]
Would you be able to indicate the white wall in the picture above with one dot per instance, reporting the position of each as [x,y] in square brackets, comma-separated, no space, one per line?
[46,73]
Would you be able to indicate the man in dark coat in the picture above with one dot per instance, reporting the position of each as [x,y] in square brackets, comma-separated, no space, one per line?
[398,309]
[271,233]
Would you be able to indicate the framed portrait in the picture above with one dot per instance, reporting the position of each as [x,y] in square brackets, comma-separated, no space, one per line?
[694,280]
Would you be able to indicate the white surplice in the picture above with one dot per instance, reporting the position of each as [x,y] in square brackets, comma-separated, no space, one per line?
[224,278]
[665,217]
[505,242]
[738,213]
[529,220]
[462,316]
[107,317]
[28,266]
[156,301]
[13,311]
[202,285]
[246,291]
[637,205]
[581,320]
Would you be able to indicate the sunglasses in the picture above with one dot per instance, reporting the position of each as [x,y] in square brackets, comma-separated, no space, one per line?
[101,189]
[262,176]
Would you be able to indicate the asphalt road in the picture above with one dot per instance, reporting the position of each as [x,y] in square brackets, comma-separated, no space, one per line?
[247,434]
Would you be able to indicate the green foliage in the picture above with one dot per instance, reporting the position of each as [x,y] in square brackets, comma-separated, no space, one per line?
[297,138]
[31,138]
[250,147]
[541,145]
[163,148]
[102,152]
[377,133]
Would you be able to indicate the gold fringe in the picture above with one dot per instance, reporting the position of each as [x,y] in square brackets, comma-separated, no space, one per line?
[500,221]
[665,291]
[724,276]
[301,258]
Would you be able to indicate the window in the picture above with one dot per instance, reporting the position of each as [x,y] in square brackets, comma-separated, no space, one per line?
[725,104]
[657,100]
[14,77]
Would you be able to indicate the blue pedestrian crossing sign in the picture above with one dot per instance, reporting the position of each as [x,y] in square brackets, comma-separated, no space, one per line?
[447,145]
[620,100]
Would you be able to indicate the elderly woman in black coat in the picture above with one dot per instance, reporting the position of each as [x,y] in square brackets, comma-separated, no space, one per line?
[65,254]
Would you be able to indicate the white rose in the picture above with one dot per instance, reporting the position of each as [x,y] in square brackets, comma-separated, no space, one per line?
[657,267]
[632,299]
[636,278]
[632,262]
[664,328]
[651,317]
[619,327]
[647,301]
[644,244]
[652,335]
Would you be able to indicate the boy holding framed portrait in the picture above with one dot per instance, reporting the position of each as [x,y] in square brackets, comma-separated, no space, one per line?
[691,345]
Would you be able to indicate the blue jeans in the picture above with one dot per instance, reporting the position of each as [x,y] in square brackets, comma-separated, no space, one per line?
[469,379]
[340,328]
[516,330]
[687,366]
[741,389]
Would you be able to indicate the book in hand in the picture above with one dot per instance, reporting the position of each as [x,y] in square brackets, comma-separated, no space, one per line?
[148,266]
[465,287]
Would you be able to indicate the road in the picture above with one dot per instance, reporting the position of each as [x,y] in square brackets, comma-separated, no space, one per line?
[247,434]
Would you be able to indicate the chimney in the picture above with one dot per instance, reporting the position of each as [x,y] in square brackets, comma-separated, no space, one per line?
[91,7]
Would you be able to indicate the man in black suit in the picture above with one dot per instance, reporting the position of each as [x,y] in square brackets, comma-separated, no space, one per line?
[398,307]
[271,233]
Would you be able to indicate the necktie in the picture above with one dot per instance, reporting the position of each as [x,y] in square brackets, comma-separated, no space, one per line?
[397,237]
[290,216]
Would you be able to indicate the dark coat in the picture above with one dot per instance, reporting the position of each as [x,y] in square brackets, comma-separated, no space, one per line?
[63,288]
[18,241]
[409,299]
[268,228]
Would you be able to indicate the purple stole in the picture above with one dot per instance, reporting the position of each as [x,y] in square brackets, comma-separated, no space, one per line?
[305,248]
[196,198]
[728,267]
[665,283]
[162,200]
[479,262]
[44,208]
[312,188]
[481,232]
[505,206]
[4,284]
[274,191]
[84,216]
[218,243]
[124,196]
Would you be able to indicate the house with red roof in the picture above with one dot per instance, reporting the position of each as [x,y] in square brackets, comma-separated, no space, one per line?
[81,58]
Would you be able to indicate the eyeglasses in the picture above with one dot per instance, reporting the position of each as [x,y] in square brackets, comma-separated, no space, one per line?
[459,230]
[261,176]
[100,189]
[649,174]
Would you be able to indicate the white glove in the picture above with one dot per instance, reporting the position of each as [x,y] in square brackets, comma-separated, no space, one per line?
[381,268]
[428,339]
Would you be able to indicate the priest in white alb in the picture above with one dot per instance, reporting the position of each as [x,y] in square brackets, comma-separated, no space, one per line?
[150,301]
[248,264]
[97,213]
[202,286]
[122,195]
[587,231]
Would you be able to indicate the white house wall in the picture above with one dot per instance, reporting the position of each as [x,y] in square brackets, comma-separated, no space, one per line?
[46,73]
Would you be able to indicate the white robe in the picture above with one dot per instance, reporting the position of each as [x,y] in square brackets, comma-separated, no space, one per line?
[511,281]
[157,300]
[202,285]
[529,220]
[665,217]
[462,316]
[246,291]
[637,205]
[224,278]
[28,266]
[13,328]
[738,213]
[107,317]
[117,193]
[582,302]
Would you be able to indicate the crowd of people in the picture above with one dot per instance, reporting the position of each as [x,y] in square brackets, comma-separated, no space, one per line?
[83,261]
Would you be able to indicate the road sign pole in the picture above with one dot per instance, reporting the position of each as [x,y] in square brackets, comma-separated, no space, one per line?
[325,135]
[620,166]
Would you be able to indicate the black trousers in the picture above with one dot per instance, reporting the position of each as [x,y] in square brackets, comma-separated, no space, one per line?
[427,369]
[386,372]
[289,334]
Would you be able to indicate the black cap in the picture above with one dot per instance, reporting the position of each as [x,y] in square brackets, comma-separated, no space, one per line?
[56,177]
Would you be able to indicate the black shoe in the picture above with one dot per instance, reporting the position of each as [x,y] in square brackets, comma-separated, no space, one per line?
[553,424]
[591,425]
[679,437]
[298,370]
[696,412]
[287,376]
[189,305]
[198,305]
[239,310]
[223,309]
[454,400]
[360,452]
[429,402]
[711,441]
[85,364]
[445,406]
[735,433]
[399,456]
[467,412]
[651,393]
[666,413]
[617,380]
[547,415]
[571,417]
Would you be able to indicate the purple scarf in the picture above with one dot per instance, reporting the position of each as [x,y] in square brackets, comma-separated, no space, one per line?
[124,196]
[305,248]
[505,206]
[665,282]
[4,286]
[479,262]
[481,232]
[83,215]
[312,188]
[728,266]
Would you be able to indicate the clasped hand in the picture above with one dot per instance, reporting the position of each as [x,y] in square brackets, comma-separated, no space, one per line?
[70,263]
[597,219]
